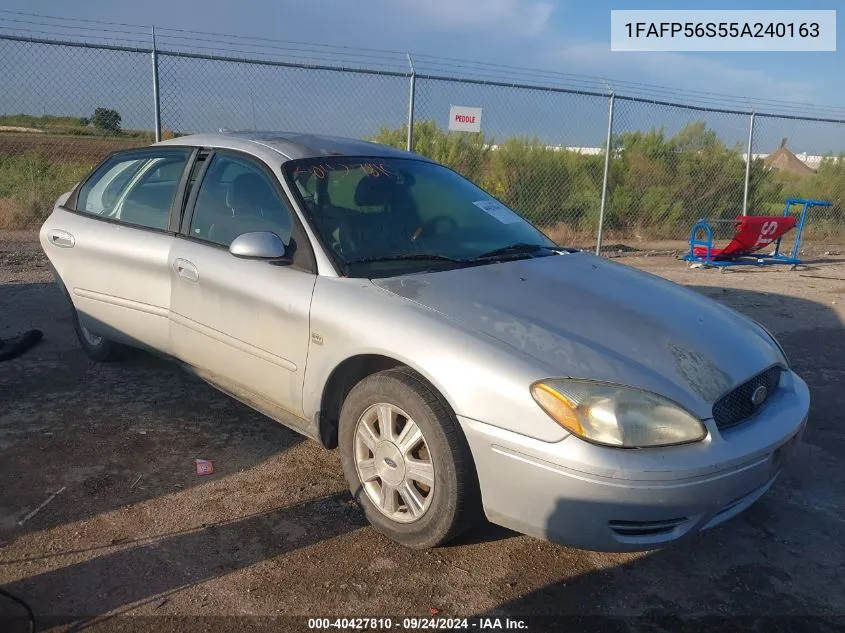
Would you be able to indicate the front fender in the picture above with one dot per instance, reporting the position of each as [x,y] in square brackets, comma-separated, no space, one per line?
[480,377]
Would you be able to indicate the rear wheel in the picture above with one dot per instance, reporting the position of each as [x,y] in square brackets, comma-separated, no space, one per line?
[406,460]
[97,347]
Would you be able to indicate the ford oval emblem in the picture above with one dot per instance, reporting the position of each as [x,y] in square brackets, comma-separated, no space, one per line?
[390,463]
[759,395]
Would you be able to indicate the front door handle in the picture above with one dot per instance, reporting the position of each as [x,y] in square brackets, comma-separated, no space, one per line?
[186,269]
[60,238]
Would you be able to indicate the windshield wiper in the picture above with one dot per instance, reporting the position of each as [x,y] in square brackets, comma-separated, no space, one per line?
[407,257]
[514,250]
[520,248]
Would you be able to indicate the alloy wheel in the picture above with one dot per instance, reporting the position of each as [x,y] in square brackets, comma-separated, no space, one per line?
[393,463]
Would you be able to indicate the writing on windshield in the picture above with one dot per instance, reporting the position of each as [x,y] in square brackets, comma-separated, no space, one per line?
[321,170]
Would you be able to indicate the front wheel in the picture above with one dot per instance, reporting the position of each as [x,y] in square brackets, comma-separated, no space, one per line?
[406,460]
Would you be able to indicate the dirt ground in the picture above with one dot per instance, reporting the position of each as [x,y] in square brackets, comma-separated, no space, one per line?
[133,530]
[68,148]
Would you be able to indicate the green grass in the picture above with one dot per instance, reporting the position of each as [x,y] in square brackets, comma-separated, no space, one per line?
[43,121]
[69,126]
[30,184]
[658,186]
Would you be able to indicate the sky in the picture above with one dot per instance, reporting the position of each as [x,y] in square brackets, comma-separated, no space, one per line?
[570,36]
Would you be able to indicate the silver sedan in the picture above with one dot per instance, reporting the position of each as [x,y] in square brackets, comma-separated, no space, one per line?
[462,363]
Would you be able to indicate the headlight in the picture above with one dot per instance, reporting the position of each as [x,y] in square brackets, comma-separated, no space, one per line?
[612,415]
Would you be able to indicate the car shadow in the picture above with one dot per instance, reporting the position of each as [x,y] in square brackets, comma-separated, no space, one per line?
[774,566]
[484,532]
[107,435]
[780,558]
[74,595]
[736,577]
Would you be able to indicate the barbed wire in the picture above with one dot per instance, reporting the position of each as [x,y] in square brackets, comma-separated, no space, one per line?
[542,148]
[54,34]
[347,57]
[66,19]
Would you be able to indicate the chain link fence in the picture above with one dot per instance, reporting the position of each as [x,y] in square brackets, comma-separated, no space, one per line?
[47,141]
[541,148]
[202,94]
[782,169]
[670,166]
[527,153]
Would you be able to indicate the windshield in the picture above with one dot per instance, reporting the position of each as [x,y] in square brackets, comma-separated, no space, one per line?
[389,216]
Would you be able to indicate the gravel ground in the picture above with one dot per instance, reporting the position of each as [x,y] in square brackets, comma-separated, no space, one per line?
[272,532]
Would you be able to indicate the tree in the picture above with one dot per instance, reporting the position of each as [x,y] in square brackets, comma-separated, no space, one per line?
[695,137]
[106,119]
[659,184]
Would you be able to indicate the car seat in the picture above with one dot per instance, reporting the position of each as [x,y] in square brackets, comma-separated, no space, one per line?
[254,206]
[389,227]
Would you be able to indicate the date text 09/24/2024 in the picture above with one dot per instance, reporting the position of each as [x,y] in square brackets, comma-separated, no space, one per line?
[418,624]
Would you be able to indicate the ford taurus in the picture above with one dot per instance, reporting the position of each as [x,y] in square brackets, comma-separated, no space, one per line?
[463,364]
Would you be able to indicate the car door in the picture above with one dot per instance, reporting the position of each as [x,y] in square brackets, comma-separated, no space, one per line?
[242,323]
[109,244]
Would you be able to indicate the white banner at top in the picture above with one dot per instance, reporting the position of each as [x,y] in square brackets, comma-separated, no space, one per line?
[723,30]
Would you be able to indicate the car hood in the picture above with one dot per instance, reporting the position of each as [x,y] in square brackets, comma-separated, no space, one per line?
[585,317]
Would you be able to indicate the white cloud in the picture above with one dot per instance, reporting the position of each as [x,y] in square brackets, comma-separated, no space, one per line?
[678,71]
[517,17]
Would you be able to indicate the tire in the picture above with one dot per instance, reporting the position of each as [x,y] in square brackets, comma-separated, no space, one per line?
[97,348]
[452,504]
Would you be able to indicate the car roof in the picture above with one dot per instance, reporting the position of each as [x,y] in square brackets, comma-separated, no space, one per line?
[292,145]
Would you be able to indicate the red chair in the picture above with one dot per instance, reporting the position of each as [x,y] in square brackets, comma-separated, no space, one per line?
[753,232]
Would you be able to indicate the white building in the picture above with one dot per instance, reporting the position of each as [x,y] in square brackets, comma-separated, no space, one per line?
[812,161]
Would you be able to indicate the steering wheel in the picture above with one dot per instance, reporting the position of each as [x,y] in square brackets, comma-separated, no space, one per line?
[428,224]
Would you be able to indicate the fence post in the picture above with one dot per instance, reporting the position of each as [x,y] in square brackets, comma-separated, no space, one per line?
[156,102]
[412,92]
[748,164]
[604,183]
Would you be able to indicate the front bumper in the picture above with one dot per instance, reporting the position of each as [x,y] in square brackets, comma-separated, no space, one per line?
[605,499]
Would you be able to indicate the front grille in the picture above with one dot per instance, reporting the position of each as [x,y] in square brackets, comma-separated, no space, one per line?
[738,405]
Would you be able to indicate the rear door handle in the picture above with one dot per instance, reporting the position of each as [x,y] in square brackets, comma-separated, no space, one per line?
[60,238]
[186,269]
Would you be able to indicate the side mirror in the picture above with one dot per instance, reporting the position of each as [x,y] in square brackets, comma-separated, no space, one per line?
[258,245]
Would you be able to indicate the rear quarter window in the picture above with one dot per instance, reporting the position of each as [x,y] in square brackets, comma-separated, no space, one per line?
[134,188]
